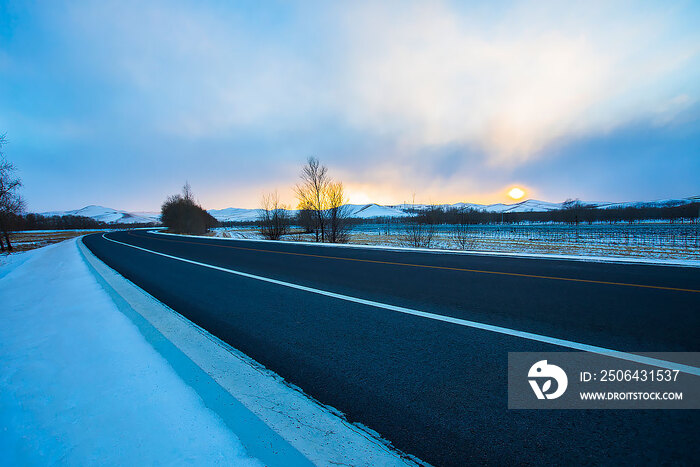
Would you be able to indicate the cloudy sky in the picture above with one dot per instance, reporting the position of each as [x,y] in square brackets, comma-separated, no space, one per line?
[118,103]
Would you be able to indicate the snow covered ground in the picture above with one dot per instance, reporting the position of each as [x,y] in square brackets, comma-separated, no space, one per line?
[79,383]
[96,371]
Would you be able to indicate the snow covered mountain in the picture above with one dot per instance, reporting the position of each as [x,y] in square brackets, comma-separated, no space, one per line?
[109,215]
[530,205]
[373,211]
[370,211]
[234,214]
[359,211]
[534,205]
[661,203]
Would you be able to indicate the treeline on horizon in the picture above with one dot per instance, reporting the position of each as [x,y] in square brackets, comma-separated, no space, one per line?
[573,214]
[33,221]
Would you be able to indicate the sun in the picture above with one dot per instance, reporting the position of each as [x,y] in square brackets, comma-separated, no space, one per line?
[516,193]
[359,197]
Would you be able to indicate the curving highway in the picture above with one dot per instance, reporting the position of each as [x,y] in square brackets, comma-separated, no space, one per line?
[415,345]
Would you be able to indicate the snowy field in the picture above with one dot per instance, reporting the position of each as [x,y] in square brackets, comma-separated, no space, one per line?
[660,241]
[97,372]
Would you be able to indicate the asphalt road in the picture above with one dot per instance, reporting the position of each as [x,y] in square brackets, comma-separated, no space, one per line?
[434,389]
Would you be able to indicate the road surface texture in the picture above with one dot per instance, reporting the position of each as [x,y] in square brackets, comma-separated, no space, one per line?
[435,389]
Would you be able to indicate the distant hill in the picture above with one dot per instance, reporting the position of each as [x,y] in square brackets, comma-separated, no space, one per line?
[370,211]
[364,211]
[534,205]
[661,203]
[358,211]
[234,214]
[530,205]
[109,215]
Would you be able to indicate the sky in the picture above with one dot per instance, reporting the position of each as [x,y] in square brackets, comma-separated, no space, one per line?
[118,103]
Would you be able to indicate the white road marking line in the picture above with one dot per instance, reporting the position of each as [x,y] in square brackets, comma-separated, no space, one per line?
[447,319]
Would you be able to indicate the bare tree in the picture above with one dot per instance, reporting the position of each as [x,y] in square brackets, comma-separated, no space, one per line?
[420,229]
[11,203]
[419,233]
[187,194]
[460,230]
[338,213]
[273,216]
[312,194]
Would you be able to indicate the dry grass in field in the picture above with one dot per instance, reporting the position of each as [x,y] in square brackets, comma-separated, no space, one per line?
[29,240]
[623,241]
[584,247]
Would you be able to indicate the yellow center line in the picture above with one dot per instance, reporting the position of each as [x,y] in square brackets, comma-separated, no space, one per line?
[427,266]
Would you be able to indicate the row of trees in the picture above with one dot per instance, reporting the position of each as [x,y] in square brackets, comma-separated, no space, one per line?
[322,207]
[572,212]
[33,221]
[420,229]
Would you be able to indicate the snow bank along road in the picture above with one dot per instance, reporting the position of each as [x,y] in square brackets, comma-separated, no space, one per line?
[73,394]
[404,342]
